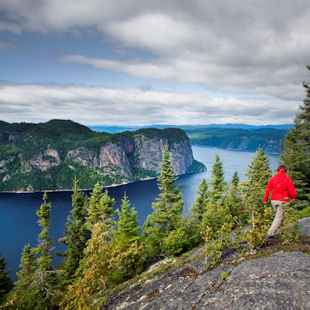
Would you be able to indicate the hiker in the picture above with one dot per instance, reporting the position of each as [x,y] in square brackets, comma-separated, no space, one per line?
[282,191]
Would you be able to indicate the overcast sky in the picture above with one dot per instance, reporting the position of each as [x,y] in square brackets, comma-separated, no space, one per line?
[130,62]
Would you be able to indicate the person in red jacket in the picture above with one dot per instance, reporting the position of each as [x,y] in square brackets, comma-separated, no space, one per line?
[282,190]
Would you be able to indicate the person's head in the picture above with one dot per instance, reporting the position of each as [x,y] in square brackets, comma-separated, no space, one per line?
[281,167]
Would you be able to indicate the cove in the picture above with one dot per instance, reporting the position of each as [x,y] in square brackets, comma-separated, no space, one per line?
[18,220]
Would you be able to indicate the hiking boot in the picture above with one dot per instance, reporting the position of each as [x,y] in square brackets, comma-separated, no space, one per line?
[269,238]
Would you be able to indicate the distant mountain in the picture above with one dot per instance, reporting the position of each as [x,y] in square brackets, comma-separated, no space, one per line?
[236,137]
[115,129]
[48,156]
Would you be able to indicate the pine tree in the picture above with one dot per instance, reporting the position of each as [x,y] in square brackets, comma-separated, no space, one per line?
[167,217]
[296,149]
[200,206]
[217,180]
[75,235]
[5,281]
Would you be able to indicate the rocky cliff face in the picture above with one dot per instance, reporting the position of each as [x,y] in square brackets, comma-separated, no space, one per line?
[279,280]
[113,159]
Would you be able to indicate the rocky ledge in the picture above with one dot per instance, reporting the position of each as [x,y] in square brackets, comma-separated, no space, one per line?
[277,281]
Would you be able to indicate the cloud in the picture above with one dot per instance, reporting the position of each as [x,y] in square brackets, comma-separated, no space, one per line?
[108,106]
[12,27]
[5,45]
[258,48]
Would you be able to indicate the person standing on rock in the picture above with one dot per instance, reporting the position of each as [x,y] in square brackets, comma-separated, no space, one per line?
[282,191]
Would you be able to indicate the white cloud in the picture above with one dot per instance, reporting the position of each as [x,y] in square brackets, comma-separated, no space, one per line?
[98,105]
[246,47]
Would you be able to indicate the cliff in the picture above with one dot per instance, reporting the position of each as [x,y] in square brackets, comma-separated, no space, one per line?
[267,279]
[48,156]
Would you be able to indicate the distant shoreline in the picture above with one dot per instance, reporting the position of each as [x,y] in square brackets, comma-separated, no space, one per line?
[71,190]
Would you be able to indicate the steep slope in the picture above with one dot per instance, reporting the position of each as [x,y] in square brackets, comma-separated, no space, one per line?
[48,156]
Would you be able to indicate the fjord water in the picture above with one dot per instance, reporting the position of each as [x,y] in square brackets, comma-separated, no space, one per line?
[18,220]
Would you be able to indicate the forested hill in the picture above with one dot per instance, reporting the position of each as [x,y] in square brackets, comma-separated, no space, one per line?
[47,156]
[236,137]
[239,139]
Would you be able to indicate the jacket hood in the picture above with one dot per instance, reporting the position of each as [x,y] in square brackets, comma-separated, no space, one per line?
[281,172]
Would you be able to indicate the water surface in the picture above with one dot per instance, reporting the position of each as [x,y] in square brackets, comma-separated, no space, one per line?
[18,220]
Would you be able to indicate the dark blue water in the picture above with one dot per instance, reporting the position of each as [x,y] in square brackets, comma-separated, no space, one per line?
[18,220]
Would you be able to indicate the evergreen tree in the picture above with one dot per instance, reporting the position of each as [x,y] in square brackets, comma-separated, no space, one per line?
[100,206]
[217,180]
[45,276]
[233,199]
[25,289]
[200,206]
[75,235]
[167,217]
[93,271]
[36,287]
[127,226]
[28,266]
[44,248]
[235,180]
[296,149]
[258,176]
[5,281]
[127,250]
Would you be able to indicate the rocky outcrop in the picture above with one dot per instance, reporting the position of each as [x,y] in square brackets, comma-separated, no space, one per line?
[48,159]
[149,152]
[278,281]
[115,156]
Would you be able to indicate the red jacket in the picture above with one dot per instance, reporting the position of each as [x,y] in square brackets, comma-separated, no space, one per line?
[281,187]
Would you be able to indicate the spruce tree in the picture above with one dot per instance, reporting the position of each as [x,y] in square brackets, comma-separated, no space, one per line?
[296,149]
[127,226]
[75,235]
[126,246]
[5,281]
[92,275]
[26,289]
[200,206]
[45,276]
[258,176]
[28,266]
[100,206]
[235,180]
[44,247]
[167,217]
[217,180]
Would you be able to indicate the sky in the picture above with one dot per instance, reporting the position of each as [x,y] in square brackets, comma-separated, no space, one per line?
[133,62]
